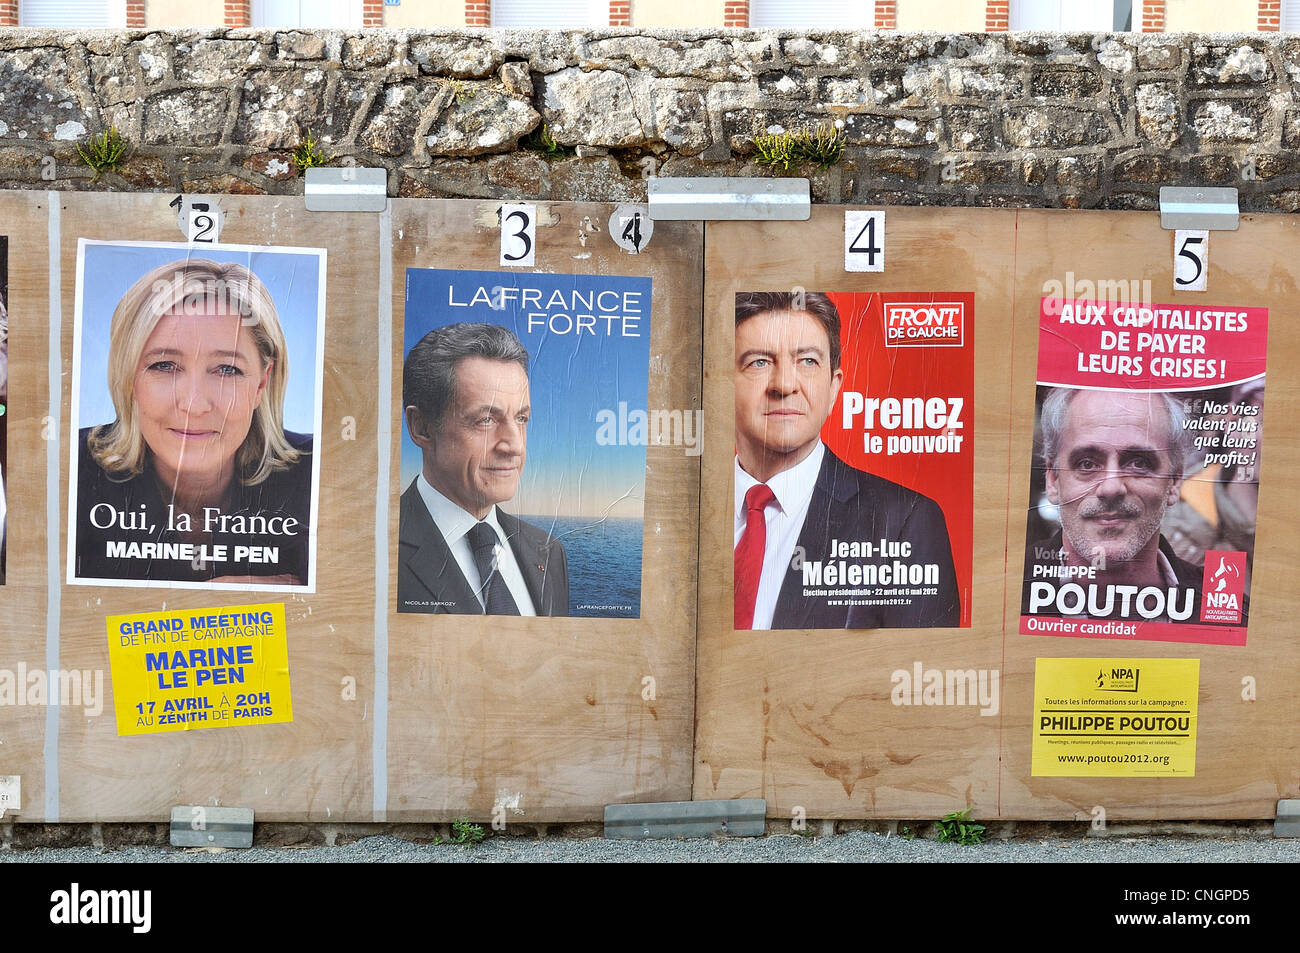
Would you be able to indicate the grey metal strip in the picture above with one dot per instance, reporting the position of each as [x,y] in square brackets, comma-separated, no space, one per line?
[1194,207]
[352,189]
[729,198]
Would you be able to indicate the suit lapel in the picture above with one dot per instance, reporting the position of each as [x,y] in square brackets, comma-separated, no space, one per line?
[431,561]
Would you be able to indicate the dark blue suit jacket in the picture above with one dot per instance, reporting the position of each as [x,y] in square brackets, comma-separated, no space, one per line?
[855,506]
[429,578]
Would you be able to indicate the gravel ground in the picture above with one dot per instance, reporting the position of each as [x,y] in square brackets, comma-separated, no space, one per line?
[855,846]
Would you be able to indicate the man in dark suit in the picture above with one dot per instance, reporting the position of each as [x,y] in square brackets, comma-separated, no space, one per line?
[466,400]
[806,519]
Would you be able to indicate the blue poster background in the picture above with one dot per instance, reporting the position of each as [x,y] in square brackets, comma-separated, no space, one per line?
[588,493]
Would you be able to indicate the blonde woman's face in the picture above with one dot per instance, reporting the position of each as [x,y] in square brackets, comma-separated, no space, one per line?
[197,383]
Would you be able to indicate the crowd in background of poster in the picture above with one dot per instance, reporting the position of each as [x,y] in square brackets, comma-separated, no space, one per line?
[854,468]
[1146,471]
[196,402]
[518,498]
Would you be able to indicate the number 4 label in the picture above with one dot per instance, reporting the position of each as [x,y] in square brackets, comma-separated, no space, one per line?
[1191,259]
[864,241]
[518,235]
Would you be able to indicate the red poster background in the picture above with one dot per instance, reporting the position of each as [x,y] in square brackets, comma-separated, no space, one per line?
[945,371]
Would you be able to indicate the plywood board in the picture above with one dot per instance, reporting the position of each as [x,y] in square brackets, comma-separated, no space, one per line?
[1247,751]
[23,218]
[548,718]
[805,718]
[319,766]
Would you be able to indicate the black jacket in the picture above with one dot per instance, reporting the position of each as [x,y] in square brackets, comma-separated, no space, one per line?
[430,580]
[855,506]
[286,493]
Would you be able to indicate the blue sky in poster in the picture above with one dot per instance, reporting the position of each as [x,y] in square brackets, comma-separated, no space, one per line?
[292,277]
[573,376]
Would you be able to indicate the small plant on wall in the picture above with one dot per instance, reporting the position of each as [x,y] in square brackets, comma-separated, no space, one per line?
[541,140]
[823,145]
[307,154]
[104,152]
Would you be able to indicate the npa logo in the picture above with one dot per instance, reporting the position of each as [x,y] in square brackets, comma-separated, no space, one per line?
[925,324]
[1118,679]
[1223,587]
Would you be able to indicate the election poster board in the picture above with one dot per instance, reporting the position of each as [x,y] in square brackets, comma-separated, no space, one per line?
[1115,717]
[853,429]
[196,403]
[200,668]
[524,417]
[1146,474]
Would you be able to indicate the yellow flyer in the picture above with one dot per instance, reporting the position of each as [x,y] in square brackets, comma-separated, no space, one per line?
[199,668]
[1115,717]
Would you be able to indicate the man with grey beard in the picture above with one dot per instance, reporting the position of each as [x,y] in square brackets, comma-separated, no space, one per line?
[1114,464]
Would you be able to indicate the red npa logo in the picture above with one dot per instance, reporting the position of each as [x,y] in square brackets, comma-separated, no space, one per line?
[1223,586]
[924,324]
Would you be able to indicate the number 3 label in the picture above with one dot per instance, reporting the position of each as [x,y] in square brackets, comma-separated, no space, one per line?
[864,241]
[518,235]
[1191,259]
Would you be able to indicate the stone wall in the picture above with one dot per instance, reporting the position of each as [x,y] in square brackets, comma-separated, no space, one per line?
[1007,120]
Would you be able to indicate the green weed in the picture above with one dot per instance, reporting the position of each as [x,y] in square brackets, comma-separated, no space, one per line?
[822,145]
[104,152]
[958,828]
[307,154]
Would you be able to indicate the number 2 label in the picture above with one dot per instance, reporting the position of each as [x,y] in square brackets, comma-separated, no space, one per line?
[518,235]
[864,241]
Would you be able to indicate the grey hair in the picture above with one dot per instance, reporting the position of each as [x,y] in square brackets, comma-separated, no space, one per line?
[1057,404]
[429,374]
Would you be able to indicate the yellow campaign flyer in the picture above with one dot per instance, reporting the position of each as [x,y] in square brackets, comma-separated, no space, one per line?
[1115,717]
[199,668]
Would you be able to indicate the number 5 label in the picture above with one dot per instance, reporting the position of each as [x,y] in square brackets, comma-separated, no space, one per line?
[518,235]
[1191,259]
[864,241]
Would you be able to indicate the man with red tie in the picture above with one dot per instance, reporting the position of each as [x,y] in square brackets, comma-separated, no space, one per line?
[794,497]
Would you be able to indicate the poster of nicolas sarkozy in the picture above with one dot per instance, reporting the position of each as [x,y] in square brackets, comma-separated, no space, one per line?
[519,497]
[1145,479]
[196,404]
[854,467]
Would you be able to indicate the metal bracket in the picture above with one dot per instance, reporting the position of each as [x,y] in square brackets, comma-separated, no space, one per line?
[743,817]
[727,198]
[350,189]
[1287,822]
[198,825]
[1199,208]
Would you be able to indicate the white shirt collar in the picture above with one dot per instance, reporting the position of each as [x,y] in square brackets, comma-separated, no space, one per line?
[452,521]
[793,488]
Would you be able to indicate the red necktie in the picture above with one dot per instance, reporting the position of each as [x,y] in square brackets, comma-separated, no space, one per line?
[749,553]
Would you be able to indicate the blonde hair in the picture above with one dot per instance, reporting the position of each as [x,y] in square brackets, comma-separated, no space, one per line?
[119,448]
